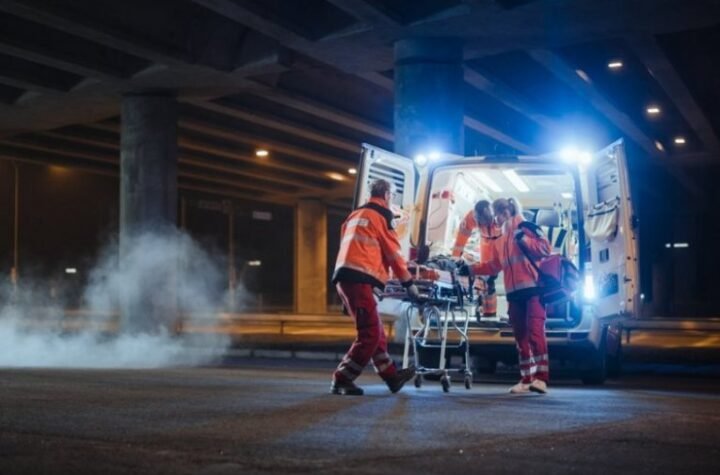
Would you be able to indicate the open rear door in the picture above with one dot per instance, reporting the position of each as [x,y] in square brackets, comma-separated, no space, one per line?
[611,233]
[400,171]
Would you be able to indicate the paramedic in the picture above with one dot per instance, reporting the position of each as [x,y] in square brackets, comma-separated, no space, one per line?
[481,218]
[527,314]
[368,247]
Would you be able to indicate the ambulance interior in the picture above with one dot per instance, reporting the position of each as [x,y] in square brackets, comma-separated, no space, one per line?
[547,194]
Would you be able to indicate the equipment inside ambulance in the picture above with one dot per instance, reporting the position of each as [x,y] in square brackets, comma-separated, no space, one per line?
[582,203]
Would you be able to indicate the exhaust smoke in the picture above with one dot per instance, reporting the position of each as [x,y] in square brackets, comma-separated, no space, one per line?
[133,310]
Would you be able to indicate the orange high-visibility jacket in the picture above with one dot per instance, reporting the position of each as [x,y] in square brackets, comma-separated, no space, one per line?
[487,235]
[506,256]
[369,246]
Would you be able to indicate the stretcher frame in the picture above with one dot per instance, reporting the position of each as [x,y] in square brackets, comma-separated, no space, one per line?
[439,307]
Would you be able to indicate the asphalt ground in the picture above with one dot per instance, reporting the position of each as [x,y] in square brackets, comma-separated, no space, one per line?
[276,416]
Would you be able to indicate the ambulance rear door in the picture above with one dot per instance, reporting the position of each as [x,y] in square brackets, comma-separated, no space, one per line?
[400,171]
[611,234]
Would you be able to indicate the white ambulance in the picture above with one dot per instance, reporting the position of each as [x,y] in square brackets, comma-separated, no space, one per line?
[581,200]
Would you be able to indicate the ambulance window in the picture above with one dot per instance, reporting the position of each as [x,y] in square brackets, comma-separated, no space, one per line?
[395,176]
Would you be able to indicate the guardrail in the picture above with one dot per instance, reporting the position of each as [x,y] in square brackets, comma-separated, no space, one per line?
[284,321]
[706,325]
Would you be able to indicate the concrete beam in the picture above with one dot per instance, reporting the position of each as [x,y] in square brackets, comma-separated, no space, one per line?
[58,18]
[659,66]
[503,93]
[261,181]
[237,136]
[278,124]
[324,111]
[217,151]
[269,162]
[567,74]
[366,12]
[84,166]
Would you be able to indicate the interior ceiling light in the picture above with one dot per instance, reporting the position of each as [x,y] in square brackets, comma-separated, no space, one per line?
[680,140]
[653,110]
[659,146]
[352,171]
[489,182]
[261,152]
[615,64]
[517,182]
[335,176]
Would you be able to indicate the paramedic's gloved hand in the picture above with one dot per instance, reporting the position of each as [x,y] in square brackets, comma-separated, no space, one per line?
[464,270]
[413,292]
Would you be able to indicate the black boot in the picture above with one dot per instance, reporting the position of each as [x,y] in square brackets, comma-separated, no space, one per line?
[345,388]
[395,383]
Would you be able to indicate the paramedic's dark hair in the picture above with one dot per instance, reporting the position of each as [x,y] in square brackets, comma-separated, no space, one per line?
[480,206]
[511,205]
[379,187]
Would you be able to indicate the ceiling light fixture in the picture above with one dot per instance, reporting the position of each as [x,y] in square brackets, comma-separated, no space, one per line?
[352,171]
[335,176]
[653,110]
[616,64]
[517,182]
[261,152]
[489,182]
[680,140]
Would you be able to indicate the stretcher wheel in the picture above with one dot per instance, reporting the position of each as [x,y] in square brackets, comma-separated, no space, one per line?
[445,382]
[468,381]
[418,381]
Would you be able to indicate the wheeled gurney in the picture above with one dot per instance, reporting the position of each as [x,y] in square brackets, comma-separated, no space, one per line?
[428,321]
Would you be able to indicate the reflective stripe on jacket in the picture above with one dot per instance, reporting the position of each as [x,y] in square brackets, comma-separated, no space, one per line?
[487,235]
[369,246]
[506,256]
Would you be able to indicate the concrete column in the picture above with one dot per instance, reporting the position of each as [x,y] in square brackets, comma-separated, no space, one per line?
[148,163]
[310,257]
[148,204]
[429,99]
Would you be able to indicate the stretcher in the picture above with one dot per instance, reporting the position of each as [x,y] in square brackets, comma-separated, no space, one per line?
[439,312]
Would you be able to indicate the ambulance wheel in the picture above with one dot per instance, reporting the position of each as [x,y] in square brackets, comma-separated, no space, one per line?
[418,381]
[445,382]
[468,381]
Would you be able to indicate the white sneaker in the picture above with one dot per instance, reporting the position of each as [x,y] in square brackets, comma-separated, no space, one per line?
[520,388]
[538,386]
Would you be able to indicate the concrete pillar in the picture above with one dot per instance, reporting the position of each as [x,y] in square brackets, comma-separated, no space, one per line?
[429,98]
[148,163]
[310,286]
[148,203]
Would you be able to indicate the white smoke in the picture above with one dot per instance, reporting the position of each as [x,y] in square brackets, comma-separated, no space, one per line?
[169,291]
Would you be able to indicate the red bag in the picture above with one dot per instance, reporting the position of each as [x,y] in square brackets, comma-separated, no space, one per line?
[559,278]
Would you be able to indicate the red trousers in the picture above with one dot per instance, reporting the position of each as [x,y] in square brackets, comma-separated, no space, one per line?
[527,318]
[370,343]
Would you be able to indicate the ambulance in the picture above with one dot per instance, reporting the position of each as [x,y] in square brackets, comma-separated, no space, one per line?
[581,201]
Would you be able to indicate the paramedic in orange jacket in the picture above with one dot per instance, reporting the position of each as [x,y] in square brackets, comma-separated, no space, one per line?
[368,247]
[527,314]
[480,218]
